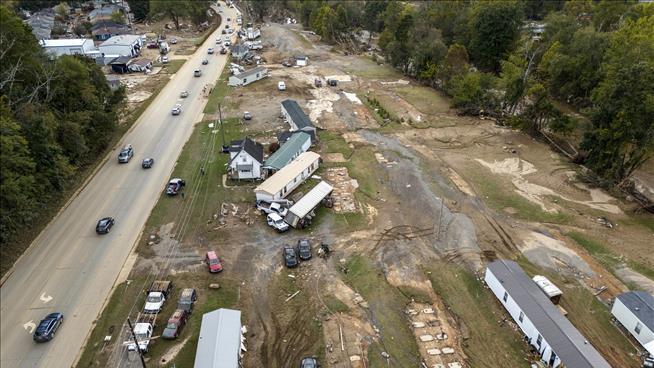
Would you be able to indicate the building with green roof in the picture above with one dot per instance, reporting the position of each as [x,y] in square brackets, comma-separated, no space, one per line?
[298,143]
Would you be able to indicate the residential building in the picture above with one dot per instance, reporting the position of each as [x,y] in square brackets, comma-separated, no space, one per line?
[69,46]
[106,29]
[220,343]
[245,159]
[297,119]
[239,51]
[248,76]
[558,342]
[301,60]
[289,150]
[635,312]
[139,65]
[284,181]
[298,212]
[123,45]
[42,23]
[119,64]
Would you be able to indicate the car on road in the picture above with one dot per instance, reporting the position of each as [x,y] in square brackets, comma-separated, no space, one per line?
[224,31]
[213,262]
[176,323]
[104,225]
[205,62]
[229,20]
[309,362]
[290,257]
[177,109]
[247,115]
[47,328]
[276,222]
[227,43]
[281,86]
[304,249]
[223,51]
[174,186]
[210,50]
[125,154]
[197,72]
[164,59]
[184,94]
[147,163]
[230,31]
[187,300]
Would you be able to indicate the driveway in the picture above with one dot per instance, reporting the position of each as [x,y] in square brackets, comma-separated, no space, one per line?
[70,269]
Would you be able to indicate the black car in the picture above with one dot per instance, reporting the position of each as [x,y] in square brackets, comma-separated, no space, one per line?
[304,249]
[187,300]
[290,257]
[147,163]
[205,62]
[48,326]
[309,362]
[104,225]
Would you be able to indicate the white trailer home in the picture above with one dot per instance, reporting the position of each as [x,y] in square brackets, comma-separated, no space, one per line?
[284,181]
[76,46]
[299,211]
[546,329]
[635,312]
[248,76]
[297,119]
[123,45]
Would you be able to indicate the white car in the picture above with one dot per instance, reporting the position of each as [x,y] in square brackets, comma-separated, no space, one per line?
[177,109]
[210,50]
[228,43]
[164,59]
[154,302]
[281,86]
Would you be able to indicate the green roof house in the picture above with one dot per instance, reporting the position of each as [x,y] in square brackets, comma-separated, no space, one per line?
[298,143]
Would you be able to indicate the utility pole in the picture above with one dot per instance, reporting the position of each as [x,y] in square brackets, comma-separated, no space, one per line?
[222,128]
[138,348]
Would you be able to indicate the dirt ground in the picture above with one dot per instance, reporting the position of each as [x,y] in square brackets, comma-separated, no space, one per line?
[430,186]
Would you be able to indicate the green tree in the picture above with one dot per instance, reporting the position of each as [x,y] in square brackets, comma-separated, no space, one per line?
[472,93]
[372,15]
[171,9]
[140,9]
[118,17]
[494,26]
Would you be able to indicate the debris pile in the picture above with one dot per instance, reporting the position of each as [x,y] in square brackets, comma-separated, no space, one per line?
[344,188]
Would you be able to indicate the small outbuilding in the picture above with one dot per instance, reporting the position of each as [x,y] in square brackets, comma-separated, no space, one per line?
[551,290]
[635,312]
[119,64]
[297,119]
[284,181]
[301,60]
[289,150]
[248,76]
[245,159]
[220,343]
[298,213]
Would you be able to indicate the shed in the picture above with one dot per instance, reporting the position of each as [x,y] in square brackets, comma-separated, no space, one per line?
[301,60]
[219,344]
[245,159]
[284,181]
[546,329]
[635,312]
[248,76]
[552,292]
[66,46]
[306,204]
[119,64]
[288,151]
[123,45]
[296,117]
[113,82]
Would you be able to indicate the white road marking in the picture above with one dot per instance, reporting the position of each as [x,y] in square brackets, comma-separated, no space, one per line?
[30,326]
[45,298]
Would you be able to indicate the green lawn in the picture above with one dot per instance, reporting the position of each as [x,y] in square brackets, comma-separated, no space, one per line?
[426,100]
[220,90]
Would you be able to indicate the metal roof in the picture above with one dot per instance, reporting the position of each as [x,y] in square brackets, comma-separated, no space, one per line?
[219,344]
[275,183]
[253,71]
[311,199]
[122,40]
[567,342]
[547,286]
[287,151]
[66,42]
[641,304]
[300,119]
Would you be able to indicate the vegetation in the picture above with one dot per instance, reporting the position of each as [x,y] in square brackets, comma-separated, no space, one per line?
[196,10]
[56,117]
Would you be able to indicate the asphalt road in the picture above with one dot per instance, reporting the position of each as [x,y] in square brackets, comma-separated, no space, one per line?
[69,268]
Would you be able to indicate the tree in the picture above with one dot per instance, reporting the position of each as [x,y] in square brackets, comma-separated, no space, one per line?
[494,27]
[196,10]
[372,15]
[118,17]
[172,9]
[62,10]
[471,92]
[140,9]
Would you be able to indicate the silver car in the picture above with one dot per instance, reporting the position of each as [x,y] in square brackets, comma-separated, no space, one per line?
[177,109]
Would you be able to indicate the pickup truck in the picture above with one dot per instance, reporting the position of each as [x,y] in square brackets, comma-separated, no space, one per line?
[143,330]
[157,294]
[276,222]
[280,208]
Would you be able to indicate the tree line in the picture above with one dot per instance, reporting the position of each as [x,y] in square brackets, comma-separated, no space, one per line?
[56,117]
[496,58]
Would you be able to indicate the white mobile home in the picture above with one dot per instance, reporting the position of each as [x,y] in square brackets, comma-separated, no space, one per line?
[76,46]
[299,211]
[284,181]
[301,60]
[245,159]
[545,328]
[297,119]
[635,312]
[123,45]
[248,76]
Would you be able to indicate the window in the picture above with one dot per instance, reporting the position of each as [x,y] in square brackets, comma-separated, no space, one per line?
[521,317]
[245,80]
[506,296]
[639,327]
[539,340]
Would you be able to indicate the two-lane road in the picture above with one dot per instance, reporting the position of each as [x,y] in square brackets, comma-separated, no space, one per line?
[69,268]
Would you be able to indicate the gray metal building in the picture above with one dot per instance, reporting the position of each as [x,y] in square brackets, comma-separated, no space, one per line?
[219,345]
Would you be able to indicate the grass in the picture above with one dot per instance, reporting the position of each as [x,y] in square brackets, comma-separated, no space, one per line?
[425,99]
[368,69]
[173,66]
[387,306]
[478,313]
[220,90]
[334,304]
[302,39]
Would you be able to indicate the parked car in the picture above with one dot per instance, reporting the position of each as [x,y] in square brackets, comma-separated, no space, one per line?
[176,323]
[147,163]
[309,362]
[212,261]
[197,72]
[164,59]
[247,115]
[187,300]
[287,63]
[174,186]
[177,109]
[332,82]
[104,225]
[276,222]
[205,62]
[184,94]
[125,154]
[154,302]
[47,328]
[210,50]
[173,40]
[304,249]
[290,257]
[281,86]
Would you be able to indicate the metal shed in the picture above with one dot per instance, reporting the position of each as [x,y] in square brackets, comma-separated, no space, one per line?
[219,344]
[305,205]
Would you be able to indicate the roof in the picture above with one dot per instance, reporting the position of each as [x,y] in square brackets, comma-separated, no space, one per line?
[300,57]
[285,135]
[311,199]
[252,71]
[65,42]
[141,62]
[252,148]
[122,40]
[287,151]
[219,343]
[109,30]
[300,119]
[566,341]
[289,172]
[238,49]
[547,286]
[120,60]
[641,304]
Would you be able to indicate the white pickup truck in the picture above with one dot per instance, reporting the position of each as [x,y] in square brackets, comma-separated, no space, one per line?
[276,222]
[157,294]
[280,208]
[143,330]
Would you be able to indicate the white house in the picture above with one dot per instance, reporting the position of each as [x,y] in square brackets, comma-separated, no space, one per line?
[123,45]
[284,181]
[248,76]
[635,312]
[220,344]
[297,119]
[545,328]
[301,60]
[73,46]
[245,159]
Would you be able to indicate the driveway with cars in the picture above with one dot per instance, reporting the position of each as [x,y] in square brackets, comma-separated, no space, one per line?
[69,268]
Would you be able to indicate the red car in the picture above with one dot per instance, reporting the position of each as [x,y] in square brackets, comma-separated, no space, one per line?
[212,261]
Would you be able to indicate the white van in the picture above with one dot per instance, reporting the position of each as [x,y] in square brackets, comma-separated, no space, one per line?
[281,86]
